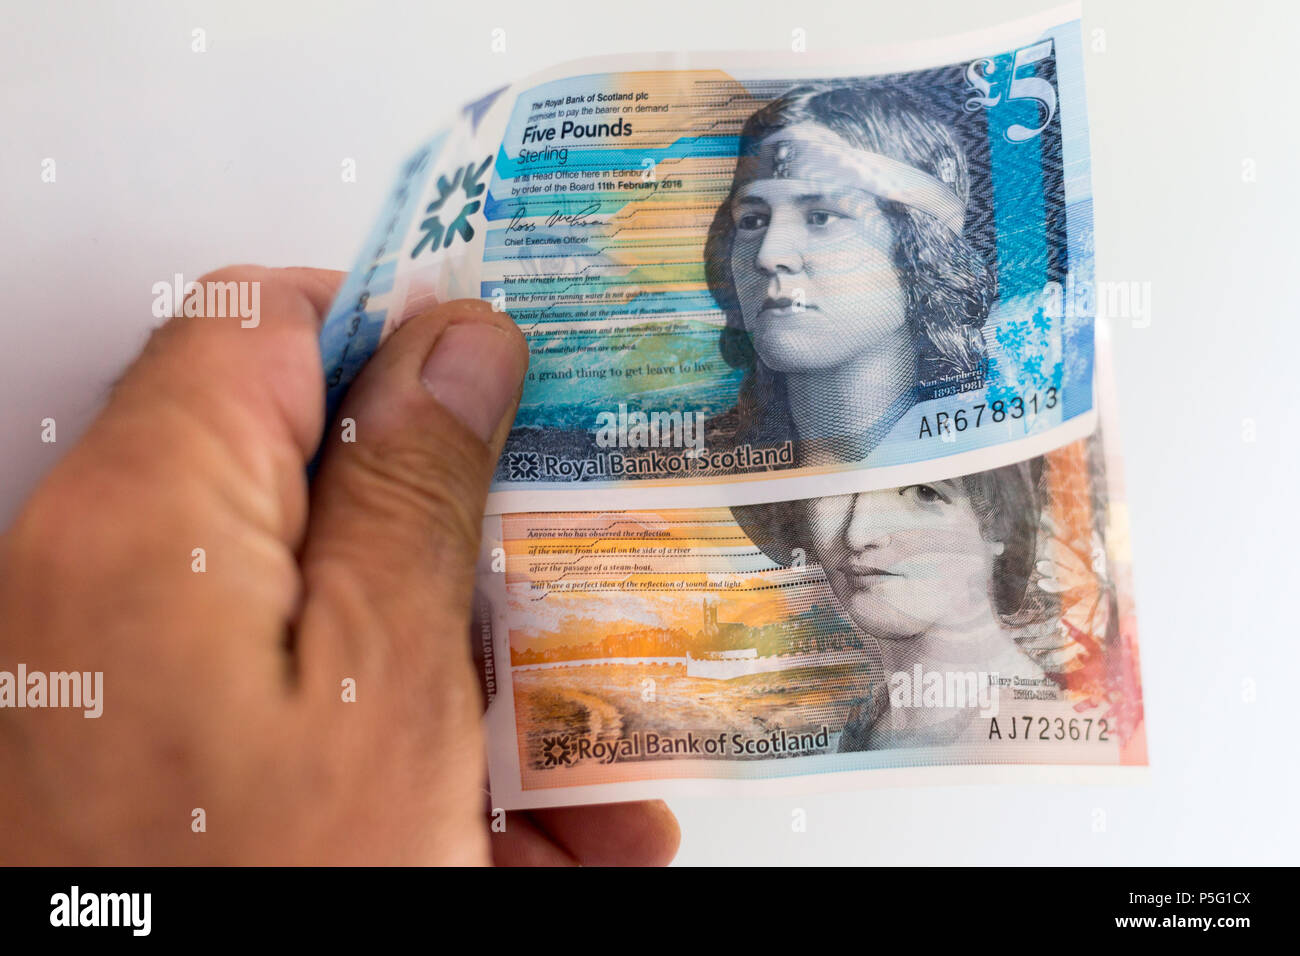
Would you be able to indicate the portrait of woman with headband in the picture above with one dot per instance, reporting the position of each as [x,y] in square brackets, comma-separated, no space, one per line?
[849,270]
[937,575]
[840,261]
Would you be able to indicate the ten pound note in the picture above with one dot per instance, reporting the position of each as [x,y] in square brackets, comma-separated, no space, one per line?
[973,628]
[807,486]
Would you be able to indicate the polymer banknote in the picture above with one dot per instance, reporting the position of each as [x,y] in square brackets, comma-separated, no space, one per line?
[974,628]
[748,278]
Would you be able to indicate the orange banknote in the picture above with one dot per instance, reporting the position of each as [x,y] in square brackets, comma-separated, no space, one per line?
[972,628]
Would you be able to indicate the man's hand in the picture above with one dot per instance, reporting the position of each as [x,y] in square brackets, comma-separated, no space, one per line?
[225,670]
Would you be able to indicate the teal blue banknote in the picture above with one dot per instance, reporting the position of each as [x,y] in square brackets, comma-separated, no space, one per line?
[753,277]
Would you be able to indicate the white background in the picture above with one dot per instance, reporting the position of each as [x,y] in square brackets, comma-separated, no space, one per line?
[174,161]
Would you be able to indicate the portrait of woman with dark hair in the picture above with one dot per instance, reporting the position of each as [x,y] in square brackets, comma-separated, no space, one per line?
[937,575]
[840,261]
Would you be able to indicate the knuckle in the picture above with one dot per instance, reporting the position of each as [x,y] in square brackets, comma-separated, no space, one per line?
[242,272]
[52,529]
[443,486]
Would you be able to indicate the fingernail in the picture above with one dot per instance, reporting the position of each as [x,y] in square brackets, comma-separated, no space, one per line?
[473,371]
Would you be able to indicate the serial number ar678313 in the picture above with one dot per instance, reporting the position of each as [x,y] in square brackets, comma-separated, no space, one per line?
[946,425]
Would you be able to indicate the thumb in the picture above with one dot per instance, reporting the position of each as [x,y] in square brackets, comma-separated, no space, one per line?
[397,506]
